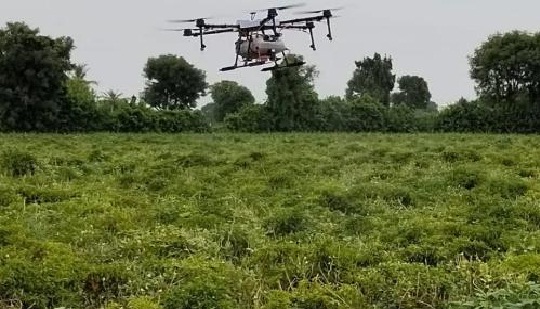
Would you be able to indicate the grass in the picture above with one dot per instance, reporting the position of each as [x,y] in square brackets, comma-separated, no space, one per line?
[298,221]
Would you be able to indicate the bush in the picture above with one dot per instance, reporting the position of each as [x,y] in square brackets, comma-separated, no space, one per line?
[19,163]
[465,116]
[250,118]
[138,119]
[286,221]
[366,115]
[467,177]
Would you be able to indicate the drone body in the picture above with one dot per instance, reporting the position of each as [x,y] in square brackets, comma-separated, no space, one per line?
[259,40]
[260,46]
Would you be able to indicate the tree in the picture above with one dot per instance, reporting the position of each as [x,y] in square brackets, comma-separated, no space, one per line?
[229,98]
[173,83]
[79,89]
[432,107]
[33,77]
[414,92]
[79,72]
[507,67]
[113,100]
[210,112]
[366,115]
[373,77]
[332,113]
[291,96]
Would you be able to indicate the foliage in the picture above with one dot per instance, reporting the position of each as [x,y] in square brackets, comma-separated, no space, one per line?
[229,98]
[79,89]
[466,116]
[173,83]
[291,96]
[522,297]
[413,92]
[66,102]
[366,114]
[19,163]
[250,118]
[312,220]
[330,114]
[32,77]
[505,67]
[373,77]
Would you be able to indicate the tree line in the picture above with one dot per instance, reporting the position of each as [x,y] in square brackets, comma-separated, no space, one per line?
[41,90]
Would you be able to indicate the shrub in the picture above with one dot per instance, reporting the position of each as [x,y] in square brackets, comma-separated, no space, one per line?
[235,245]
[194,159]
[507,188]
[286,221]
[19,163]
[253,118]
[466,177]
[198,294]
[7,196]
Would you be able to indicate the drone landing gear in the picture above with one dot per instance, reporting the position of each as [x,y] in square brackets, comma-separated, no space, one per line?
[252,64]
[287,64]
[278,67]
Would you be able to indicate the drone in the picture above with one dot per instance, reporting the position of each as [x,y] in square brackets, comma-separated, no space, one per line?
[260,40]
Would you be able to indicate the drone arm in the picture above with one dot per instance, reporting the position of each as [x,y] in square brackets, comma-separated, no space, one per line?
[309,26]
[201,33]
[300,20]
[326,16]
[196,34]
[207,26]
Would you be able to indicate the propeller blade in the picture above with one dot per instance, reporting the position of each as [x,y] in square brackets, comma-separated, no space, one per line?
[288,7]
[281,8]
[320,11]
[188,20]
[176,29]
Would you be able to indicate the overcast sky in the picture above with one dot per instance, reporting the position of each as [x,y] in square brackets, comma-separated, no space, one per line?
[430,38]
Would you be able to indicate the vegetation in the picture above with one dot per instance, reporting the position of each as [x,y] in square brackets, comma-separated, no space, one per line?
[45,92]
[323,219]
[173,83]
[373,77]
[269,221]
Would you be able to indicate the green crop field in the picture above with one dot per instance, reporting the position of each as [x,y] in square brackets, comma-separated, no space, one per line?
[304,221]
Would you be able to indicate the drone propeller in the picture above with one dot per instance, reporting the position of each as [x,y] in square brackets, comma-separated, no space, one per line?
[320,11]
[188,20]
[280,8]
[168,29]
[288,7]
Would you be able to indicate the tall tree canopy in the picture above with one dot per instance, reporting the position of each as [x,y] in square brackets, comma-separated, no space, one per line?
[291,96]
[414,92]
[229,97]
[33,77]
[507,67]
[80,89]
[373,77]
[173,83]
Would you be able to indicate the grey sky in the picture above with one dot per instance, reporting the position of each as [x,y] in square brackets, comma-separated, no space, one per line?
[430,38]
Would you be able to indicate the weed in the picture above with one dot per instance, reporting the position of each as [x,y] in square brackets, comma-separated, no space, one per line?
[337,202]
[467,177]
[507,188]
[98,155]
[286,221]
[19,163]
[194,159]
[298,220]
[257,156]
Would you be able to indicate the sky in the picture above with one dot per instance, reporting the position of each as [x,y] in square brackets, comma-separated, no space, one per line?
[428,38]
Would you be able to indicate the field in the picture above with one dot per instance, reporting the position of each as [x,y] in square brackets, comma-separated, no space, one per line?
[304,221]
